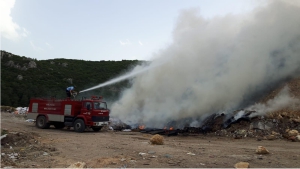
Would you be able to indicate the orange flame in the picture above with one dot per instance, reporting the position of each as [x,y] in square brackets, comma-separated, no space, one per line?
[142,127]
[171,128]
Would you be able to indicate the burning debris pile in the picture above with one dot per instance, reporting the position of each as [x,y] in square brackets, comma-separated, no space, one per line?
[276,117]
[216,65]
[211,78]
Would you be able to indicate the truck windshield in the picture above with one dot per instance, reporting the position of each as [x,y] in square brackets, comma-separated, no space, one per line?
[100,105]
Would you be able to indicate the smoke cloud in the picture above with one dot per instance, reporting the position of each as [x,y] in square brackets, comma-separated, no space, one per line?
[282,100]
[214,65]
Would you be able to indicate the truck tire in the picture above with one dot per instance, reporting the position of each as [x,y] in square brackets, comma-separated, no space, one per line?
[96,128]
[79,125]
[59,125]
[41,122]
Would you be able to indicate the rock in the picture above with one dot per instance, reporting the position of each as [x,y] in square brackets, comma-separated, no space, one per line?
[31,64]
[20,77]
[64,64]
[157,139]
[241,165]
[293,133]
[45,153]
[10,63]
[298,137]
[261,150]
[271,137]
[78,165]
[167,156]
[151,152]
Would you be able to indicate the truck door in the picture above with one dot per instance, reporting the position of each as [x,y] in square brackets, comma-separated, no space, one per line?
[87,109]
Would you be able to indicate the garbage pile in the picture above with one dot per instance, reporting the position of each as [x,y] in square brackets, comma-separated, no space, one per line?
[20,149]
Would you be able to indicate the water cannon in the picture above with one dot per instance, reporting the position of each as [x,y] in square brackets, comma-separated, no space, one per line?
[74,94]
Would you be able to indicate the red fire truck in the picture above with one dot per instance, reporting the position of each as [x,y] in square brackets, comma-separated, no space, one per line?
[79,114]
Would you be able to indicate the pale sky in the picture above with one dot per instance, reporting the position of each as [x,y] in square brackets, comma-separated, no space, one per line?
[99,29]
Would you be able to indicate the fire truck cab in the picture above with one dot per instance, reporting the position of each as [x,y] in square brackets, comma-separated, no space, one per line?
[79,114]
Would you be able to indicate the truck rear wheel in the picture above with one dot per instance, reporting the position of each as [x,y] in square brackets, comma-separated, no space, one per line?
[79,125]
[59,125]
[41,122]
[96,128]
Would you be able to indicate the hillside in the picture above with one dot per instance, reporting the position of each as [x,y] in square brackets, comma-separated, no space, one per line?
[23,78]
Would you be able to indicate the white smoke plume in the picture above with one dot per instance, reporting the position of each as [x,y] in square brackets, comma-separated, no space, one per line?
[215,65]
[282,100]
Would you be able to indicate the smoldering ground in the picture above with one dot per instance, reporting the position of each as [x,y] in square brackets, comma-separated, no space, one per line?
[215,65]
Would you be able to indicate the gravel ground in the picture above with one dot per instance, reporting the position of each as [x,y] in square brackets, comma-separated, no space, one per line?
[28,146]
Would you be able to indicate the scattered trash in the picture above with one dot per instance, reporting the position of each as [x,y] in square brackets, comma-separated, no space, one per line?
[126,130]
[133,161]
[30,120]
[189,153]
[123,159]
[3,136]
[45,154]
[142,154]
[202,164]
[260,157]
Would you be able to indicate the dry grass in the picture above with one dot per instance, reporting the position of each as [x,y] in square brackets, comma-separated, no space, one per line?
[157,139]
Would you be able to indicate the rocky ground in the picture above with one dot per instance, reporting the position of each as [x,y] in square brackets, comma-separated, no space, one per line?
[27,146]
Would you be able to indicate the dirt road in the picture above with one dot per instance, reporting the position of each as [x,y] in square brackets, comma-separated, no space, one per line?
[60,148]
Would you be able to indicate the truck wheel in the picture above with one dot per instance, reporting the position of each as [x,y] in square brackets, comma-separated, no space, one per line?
[96,128]
[59,125]
[79,125]
[41,122]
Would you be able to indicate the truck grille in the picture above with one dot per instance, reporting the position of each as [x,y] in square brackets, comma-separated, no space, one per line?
[100,118]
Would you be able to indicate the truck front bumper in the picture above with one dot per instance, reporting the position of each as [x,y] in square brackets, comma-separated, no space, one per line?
[101,123]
